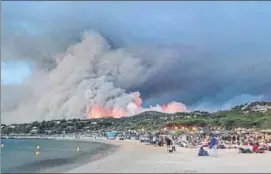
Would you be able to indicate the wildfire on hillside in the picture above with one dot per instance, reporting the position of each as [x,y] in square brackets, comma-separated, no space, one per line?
[97,111]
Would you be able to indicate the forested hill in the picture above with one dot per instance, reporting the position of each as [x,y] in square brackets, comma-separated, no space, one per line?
[256,114]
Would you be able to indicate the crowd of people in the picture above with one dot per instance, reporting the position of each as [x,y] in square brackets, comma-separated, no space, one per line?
[246,142]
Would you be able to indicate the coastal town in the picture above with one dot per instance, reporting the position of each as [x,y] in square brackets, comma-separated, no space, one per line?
[255,116]
[235,127]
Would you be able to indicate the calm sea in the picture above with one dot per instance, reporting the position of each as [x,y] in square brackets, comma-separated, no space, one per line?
[57,156]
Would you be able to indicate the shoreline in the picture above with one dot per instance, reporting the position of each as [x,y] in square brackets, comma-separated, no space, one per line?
[62,164]
[82,160]
[131,156]
[112,149]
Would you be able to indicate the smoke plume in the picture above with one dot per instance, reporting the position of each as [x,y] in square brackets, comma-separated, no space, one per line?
[89,81]
[209,55]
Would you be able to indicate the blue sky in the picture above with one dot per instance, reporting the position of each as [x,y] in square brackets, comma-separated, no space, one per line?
[14,72]
[233,39]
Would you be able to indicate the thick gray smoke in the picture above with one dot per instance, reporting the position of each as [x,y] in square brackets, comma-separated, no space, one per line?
[88,73]
[209,55]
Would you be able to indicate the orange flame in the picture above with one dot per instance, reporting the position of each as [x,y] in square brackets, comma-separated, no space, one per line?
[173,107]
[98,111]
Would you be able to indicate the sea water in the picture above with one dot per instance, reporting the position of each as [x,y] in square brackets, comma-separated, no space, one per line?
[22,155]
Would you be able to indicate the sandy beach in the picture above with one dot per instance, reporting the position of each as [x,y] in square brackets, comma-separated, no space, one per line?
[135,157]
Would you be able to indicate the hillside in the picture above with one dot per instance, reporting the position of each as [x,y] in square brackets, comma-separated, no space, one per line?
[255,106]
[248,115]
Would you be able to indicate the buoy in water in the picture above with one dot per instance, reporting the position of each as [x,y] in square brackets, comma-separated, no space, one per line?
[38,147]
[77,149]
[37,153]
[2,145]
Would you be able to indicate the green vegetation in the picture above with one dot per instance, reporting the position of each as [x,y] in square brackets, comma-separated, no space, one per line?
[267,123]
[246,116]
[228,120]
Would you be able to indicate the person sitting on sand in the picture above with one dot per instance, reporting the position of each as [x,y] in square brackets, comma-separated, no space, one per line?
[246,149]
[257,148]
[202,152]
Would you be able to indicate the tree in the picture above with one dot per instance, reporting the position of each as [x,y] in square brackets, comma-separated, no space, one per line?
[42,127]
[267,123]
[177,133]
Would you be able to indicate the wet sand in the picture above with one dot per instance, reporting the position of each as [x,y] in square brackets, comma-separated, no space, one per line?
[135,157]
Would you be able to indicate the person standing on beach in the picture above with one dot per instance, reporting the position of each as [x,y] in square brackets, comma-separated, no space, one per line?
[154,140]
[213,142]
[173,145]
[168,142]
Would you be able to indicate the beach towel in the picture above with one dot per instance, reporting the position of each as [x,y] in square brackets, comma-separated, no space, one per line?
[242,150]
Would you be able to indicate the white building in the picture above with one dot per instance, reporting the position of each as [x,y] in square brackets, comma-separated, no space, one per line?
[261,108]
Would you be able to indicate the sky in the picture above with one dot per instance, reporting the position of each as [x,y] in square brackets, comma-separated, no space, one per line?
[14,73]
[225,46]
